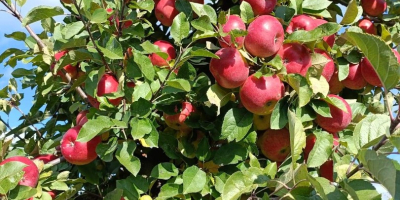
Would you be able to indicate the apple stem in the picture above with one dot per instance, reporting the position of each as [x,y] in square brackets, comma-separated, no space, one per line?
[55,162]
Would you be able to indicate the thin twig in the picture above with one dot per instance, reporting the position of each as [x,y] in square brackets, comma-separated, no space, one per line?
[26,118]
[55,162]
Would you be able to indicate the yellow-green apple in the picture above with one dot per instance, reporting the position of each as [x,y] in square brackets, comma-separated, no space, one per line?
[78,153]
[369,72]
[166,11]
[261,122]
[374,7]
[81,118]
[46,158]
[262,7]
[340,119]
[165,47]
[177,121]
[108,84]
[354,80]
[300,22]
[231,69]
[296,58]
[234,22]
[367,25]
[259,95]
[335,86]
[70,69]
[145,197]
[330,40]
[265,36]
[31,175]
[326,170]
[329,67]
[275,144]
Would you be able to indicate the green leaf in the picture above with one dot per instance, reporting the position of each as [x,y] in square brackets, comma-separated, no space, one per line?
[205,10]
[203,23]
[140,127]
[151,48]
[180,84]
[336,102]
[284,13]
[19,36]
[141,108]
[370,130]
[71,43]
[128,187]
[254,161]
[194,180]
[362,189]
[40,13]
[147,5]
[330,191]
[73,29]
[230,153]
[114,195]
[164,171]
[343,68]
[21,72]
[237,123]
[180,28]
[218,96]
[200,52]
[279,117]
[96,126]
[297,136]
[380,56]
[10,174]
[106,150]
[300,84]
[316,4]
[319,85]
[353,13]
[246,12]
[125,156]
[113,49]
[203,150]
[170,190]
[235,186]
[145,65]
[321,107]
[322,149]
[99,16]
[318,33]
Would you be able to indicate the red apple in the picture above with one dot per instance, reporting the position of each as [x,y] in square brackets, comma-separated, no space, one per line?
[52,194]
[177,121]
[108,84]
[326,170]
[300,22]
[166,11]
[130,84]
[265,36]
[296,58]
[275,144]
[259,95]
[330,40]
[262,7]
[165,47]
[354,80]
[367,26]
[230,70]
[31,175]
[374,7]
[81,118]
[70,69]
[335,86]
[78,153]
[329,67]
[340,119]
[46,158]
[234,22]
[93,101]
[310,142]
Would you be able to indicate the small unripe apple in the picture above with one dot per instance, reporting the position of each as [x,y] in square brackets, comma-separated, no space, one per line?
[367,26]
[78,153]
[231,69]
[275,144]
[177,121]
[340,119]
[265,36]
[300,22]
[329,67]
[326,170]
[166,11]
[145,197]
[354,80]
[335,86]
[262,7]
[261,122]
[259,95]
[108,84]
[165,47]
[374,7]
[31,175]
[46,158]
[234,22]
[296,58]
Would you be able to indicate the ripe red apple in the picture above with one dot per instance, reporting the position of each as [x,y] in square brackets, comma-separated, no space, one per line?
[374,7]
[165,47]
[166,11]
[329,67]
[46,158]
[93,101]
[31,175]
[335,86]
[340,119]
[367,26]
[259,95]
[296,58]
[81,118]
[369,73]
[52,194]
[275,144]
[310,142]
[70,69]
[330,40]
[177,121]
[233,22]
[326,170]
[230,70]
[262,7]
[265,36]
[300,22]
[78,153]
[354,80]
[108,84]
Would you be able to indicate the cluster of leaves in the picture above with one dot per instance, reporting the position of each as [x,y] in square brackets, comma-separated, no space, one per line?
[219,157]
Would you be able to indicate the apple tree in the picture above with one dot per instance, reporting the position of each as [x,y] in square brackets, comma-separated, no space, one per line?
[178,99]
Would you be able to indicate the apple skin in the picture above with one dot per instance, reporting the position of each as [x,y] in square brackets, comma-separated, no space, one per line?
[310,142]
[261,122]
[93,101]
[262,7]
[259,95]
[300,22]
[354,80]
[177,121]
[233,22]
[275,144]
[31,176]
[70,69]
[329,68]
[369,73]
[130,84]
[296,58]
[374,7]
[335,86]
[340,119]
[46,158]
[326,170]
[330,40]
[367,26]
[108,84]
[81,118]
[265,36]
[165,47]
[230,70]
[78,153]
[52,194]
[166,11]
